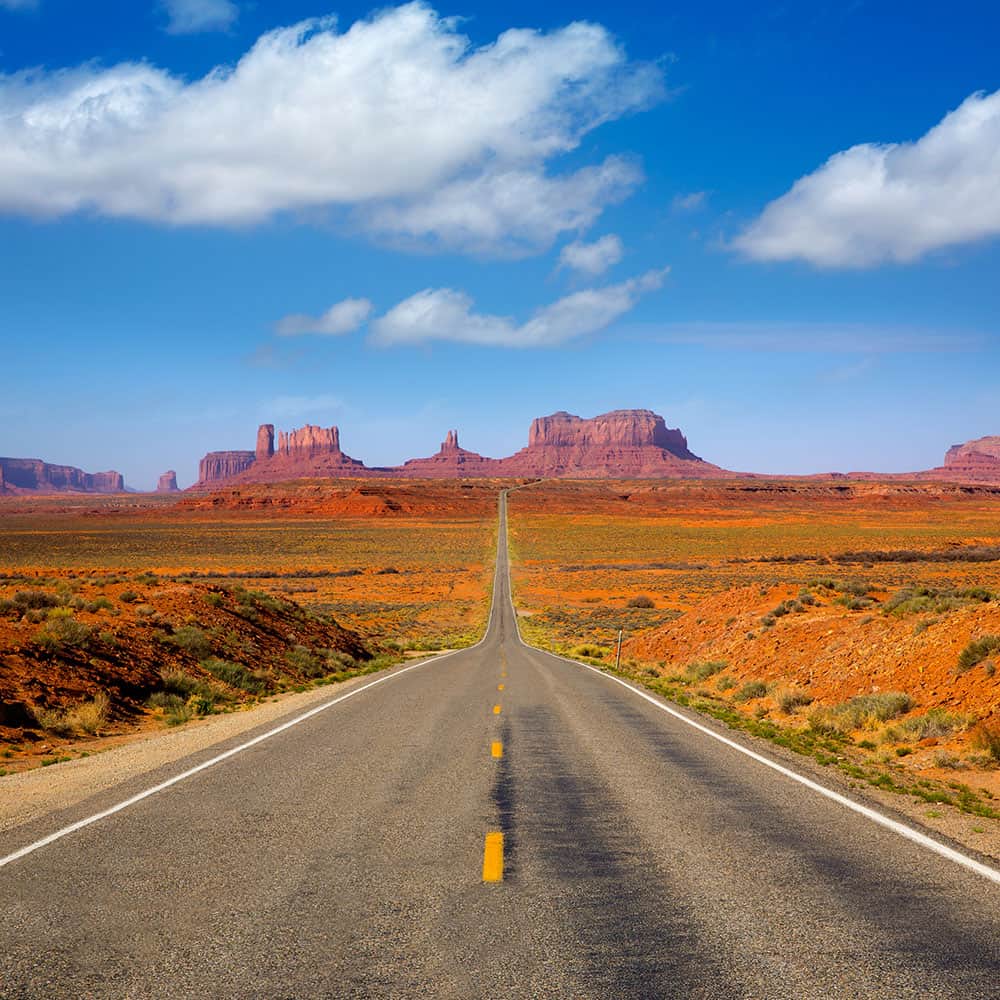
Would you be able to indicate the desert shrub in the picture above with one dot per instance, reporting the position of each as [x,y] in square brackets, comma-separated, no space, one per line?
[806,597]
[214,598]
[947,759]
[101,603]
[853,603]
[53,720]
[304,661]
[591,652]
[987,737]
[641,601]
[92,715]
[790,698]
[865,711]
[855,588]
[165,700]
[977,651]
[235,675]
[177,715]
[145,611]
[8,607]
[128,597]
[768,621]
[35,599]
[192,640]
[726,682]
[751,690]
[62,631]
[179,683]
[702,670]
[935,722]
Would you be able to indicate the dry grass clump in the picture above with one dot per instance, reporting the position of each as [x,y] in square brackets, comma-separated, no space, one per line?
[977,651]
[936,722]
[641,601]
[987,737]
[89,716]
[866,711]
[790,698]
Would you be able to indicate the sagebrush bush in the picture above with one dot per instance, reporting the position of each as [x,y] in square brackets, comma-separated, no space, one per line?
[35,599]
[128,597]
[701,670]
[751,690]
[987,737]
[790,698]
[192,640]
[641,601]
[977,651]
[236,675]
[62,631]
[304,661]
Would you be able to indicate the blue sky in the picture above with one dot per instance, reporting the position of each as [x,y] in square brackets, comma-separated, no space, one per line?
[777,225]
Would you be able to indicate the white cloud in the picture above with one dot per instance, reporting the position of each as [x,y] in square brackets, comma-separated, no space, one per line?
[592,258]
[190,16]
[446,314]
[399,118]
[344,317]
[689,202]
[873,204]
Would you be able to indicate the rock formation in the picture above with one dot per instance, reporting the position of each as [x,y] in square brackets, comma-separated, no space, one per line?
[33,475]
[306,452]
[451,462]
[221,466]
[627,443]
[167,483]
[265,442]
[974,461]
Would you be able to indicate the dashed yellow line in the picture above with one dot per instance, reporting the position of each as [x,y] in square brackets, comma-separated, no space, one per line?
[496,748]
[493,858]
[496,709]
[499,687]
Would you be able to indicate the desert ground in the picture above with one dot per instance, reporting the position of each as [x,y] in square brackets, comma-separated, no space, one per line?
[855,623]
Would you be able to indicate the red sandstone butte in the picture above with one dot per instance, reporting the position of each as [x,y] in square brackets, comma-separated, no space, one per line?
[167,483]
[625,443]
[32,475]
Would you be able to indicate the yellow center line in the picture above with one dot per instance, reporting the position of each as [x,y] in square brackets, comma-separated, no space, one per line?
[496,709]
[493,858]
[496,748]
[499,687]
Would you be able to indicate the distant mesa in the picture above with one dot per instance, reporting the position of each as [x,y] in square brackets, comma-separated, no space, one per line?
[979,459]
[167,483]
[32,475]
[624,443]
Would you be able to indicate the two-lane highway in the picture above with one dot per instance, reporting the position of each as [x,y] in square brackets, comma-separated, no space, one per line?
[497,823]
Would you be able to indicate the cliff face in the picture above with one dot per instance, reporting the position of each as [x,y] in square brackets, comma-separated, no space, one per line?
[32,474]
[221,466]
[451,462]
[167,483]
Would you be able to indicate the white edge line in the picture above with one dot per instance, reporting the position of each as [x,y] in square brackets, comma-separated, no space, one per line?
[862,810]
[219,758]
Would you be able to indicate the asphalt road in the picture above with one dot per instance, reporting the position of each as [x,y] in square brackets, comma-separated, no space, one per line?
[344,857]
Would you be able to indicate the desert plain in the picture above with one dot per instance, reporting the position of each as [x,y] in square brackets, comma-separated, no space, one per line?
[854,623]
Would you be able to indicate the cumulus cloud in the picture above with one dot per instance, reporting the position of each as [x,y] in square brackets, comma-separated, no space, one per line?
[344,317]
[191,16]
[446,314]
[398,119]
[592,258]
[873,204]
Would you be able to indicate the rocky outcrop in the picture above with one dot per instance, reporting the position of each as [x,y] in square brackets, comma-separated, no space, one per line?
[975,461]
[451,462]
[265,442]
[222,466]
[167,483]
[307,442]
[635,444]
[33,475]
